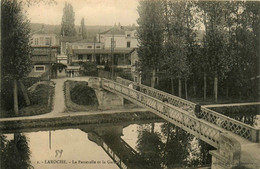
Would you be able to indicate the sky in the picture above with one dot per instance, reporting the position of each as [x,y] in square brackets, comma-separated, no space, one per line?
[95,12]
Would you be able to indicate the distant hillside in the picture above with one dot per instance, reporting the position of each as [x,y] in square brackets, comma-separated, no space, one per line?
[55,29]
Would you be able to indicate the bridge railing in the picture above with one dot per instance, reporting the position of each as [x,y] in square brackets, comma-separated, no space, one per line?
[177,116]
[174,100]
[211,116]
[116,159]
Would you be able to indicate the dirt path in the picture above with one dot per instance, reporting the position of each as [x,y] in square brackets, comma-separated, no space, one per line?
[59,99]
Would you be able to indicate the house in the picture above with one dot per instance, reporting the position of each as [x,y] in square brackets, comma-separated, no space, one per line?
[116,43]
[45,48]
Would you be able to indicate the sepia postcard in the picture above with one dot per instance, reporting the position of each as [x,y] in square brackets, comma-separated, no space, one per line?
[130,84]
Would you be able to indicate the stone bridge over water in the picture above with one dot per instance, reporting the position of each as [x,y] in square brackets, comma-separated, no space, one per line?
[236,143]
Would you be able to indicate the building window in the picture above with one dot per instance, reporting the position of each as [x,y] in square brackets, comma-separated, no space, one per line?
[98,47]
[41,40]
[89,57]
[128,35]
[128,44]
[36,41]
[39,68]
[47,41]
[156,80]
[89,46]
[80,57]
[135,79]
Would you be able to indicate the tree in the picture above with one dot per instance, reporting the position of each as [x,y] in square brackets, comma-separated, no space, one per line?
[175,149]
[15,42]
[150,35]
[83,29]
[178,41]
[89,69]
[214,41]
[149,146]
[16,153]
[67,24]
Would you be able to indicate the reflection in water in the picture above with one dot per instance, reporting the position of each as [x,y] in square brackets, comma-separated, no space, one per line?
[15,153]
[147,146]
[70,149]
[152,145]
[171,147]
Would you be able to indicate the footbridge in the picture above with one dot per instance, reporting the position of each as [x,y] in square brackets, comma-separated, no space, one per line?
[234,140]
[123,155]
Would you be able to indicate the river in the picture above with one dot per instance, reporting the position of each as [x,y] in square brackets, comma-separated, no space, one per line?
[146,144]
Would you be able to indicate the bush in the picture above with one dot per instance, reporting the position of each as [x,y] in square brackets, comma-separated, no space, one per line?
[41,102]
[29,81]
[41,95]
[90,69]
[123,74]
[83,95]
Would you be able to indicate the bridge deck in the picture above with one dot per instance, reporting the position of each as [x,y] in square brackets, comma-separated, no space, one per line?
[205,128]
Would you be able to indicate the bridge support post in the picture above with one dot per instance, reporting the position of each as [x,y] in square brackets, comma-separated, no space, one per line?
[228,153]
[108,100]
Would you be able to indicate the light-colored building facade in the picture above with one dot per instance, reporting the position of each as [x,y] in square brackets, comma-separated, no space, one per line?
[117,43]
[123,38]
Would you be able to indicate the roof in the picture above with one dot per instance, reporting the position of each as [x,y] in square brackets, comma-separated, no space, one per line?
[118,30]
[85,41]
[104,51]
[70,38]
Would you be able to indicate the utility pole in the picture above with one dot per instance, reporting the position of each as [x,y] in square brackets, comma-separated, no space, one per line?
[112,54]
[50,61]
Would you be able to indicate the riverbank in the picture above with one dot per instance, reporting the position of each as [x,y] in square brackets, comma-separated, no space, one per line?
[67,119]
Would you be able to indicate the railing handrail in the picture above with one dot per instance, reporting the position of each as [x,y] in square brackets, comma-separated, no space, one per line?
[211,139]
[254,131]
[170,95]
[168,105]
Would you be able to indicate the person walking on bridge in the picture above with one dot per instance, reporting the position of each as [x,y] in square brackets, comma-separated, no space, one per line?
[131,86]
[165,107]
